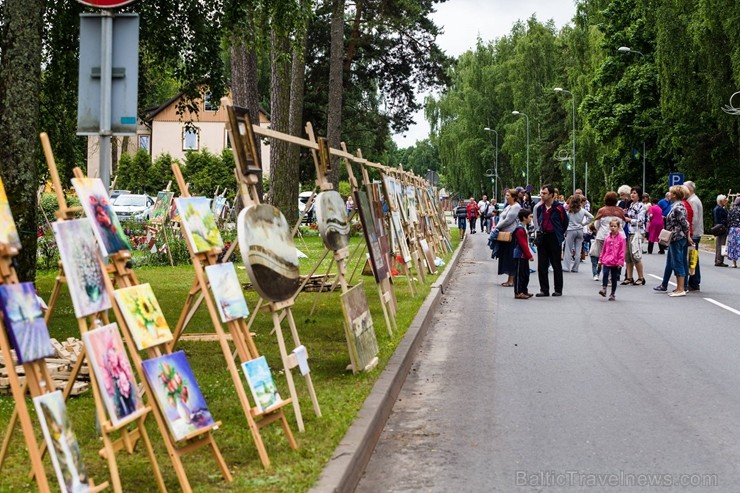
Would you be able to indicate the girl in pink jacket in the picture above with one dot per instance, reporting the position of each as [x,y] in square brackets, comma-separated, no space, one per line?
[612,258]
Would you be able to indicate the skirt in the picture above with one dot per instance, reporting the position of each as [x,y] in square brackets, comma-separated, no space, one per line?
[733,244]
[506,264]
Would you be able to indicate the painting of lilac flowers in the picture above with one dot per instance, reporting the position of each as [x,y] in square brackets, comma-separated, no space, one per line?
[143,316]
[24,322]
[113,372]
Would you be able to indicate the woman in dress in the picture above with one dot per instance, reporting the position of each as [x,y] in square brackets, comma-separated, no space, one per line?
[733,233]
[508,222]
[574,234]
[636,217]
[655,225]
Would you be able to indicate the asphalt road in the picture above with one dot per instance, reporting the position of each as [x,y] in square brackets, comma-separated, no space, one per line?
[570,394]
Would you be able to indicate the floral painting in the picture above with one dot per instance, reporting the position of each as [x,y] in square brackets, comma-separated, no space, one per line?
[97,207]
[8,232]
[113,371]
[143,316]
[62,443]
[79,254]
[261,384]
[161,207]
[177,394]
[24,322]
[200,225]
[227,291]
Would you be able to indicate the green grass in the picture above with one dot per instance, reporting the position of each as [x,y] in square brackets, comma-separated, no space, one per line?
[340,393]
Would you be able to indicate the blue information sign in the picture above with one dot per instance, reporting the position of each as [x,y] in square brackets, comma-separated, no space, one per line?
[675,179]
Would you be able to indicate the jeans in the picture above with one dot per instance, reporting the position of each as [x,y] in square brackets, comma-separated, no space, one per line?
[614,271]
[694,280]
[678,251]
[549,255]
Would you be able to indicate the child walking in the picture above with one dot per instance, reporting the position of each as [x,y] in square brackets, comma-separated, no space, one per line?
[522,255]
[612,258]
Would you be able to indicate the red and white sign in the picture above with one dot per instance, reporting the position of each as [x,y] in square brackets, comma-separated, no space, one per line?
[106,4]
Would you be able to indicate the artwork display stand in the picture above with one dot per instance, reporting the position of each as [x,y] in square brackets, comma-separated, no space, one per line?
[240,335]
[163,227]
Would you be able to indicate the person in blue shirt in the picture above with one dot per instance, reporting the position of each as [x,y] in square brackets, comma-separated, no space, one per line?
[665,204]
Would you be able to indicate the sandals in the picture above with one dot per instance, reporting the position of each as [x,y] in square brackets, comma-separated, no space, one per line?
[507,284]
[628,280]
[640,282]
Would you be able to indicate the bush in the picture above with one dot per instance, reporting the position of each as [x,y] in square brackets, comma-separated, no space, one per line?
[48,207]
[47,253]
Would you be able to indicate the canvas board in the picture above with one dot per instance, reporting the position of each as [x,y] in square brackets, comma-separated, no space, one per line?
[411,203]
[218,205]
[227,290]
[106,226]
[400,237]
[161,207]
[85,277]
[259,379]
[200,224]
[61,442]
[361,331]
[331,216]
[377,259]
[24,322]
[143,316]
[177,394]
[431,266]
[8,231]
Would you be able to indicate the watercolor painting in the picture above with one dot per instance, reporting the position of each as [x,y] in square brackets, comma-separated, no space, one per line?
[259,379]
[363,342]
[331,216]
[98,209]
[62,443]
[399,237]
[8,231]
[161,207]
[177,394]
[377,259]
[227,290]
[143,316]
[268,251]
[218,206]
[200,225]
[113,371]
[85,276]
[24,322]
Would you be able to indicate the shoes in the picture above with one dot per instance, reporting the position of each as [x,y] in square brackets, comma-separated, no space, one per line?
[612,297]
[574,270]
[694,290]
[677,293]
[507,284]
[661,252]
[640,282]
[596,277]
[472,232]
[602,291]
[521,296]
[556,293]
[627,281]
[542,294]
[529,295]
[721,265]
[660,287]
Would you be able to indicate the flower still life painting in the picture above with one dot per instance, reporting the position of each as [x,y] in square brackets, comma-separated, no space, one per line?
[143,315]
[8,232]
[161,207]
[113,371]
[79,254]
[177,394]
[24,322]
[227,290]
[200,225]
[62,443]
[98,209]
[261,384]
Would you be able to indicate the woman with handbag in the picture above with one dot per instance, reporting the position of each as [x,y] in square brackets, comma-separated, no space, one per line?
[506,225]
[720,216]
[636,216]
[677,222]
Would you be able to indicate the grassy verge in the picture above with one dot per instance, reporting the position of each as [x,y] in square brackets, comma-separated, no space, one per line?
[340,393]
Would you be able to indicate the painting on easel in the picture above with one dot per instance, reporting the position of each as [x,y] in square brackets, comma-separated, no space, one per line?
[200,225]
[177,394]
[8,232]
[79,253]
[378,260]
[97,207]
[161,207]
[331,216]
[62,443]
[362,332]
[227,291]
[143,316]
[113,371]
[24,322]
[399,237]
[259,379]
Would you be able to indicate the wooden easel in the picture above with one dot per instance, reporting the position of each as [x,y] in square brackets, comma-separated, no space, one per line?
[156,228]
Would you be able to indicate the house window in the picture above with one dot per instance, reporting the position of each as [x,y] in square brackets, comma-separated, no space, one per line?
[208,103]
[145,142]
[227,139]
[190,139]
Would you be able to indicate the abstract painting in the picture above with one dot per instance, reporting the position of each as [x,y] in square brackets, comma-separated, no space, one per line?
[261,384]
[113,371]
[62,443]
[85,276]
[377,259]
[177,394]
[8,232]
[98,209]
[24,322]
[227,290]
[362,339]
[331,216]
[161,207]
[200,225]
[143,316]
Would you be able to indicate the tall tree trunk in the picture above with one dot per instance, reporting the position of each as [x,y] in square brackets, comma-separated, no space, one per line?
[297,89]
[336,85]
[20,83]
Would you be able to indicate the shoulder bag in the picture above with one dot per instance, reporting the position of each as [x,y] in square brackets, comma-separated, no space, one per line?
[504,236]
[718,230]
[665,237]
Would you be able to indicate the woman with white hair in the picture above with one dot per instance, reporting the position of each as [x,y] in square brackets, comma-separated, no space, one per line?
[733,233]
[720,215]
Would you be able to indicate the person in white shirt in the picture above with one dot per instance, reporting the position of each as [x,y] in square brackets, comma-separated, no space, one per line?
[697,229]
[485,208]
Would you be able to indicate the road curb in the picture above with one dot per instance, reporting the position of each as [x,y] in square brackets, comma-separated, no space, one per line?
[348,461]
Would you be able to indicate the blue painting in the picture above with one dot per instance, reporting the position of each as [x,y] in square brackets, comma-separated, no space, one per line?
[24,322]
[227,291]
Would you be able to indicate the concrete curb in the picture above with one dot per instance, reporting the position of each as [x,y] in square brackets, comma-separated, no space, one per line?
[348,462]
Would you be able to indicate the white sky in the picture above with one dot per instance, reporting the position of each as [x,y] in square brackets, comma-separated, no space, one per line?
[464,20]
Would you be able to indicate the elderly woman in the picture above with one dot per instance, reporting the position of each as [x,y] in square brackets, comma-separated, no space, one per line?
[677,222]
[604,216]
[507,222]
[720,216]
[733,233]
[636,217]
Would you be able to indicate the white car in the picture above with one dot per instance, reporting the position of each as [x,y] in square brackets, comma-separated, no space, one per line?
[130,206]
[302,201]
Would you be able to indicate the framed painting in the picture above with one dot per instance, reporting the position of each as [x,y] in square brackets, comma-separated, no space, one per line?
[377,259]
[85,276]
[8,231]
[331,216]
[143,316]
[399,237]
[24,322]
[200,224]
[227,290]
[259,379]
[177,394]
[362,339]
[106,226]
[62,444]
[246,155]
[161,207]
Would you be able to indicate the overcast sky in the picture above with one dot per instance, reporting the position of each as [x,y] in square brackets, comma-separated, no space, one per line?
[464,20]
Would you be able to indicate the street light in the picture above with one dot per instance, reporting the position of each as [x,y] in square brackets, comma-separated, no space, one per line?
[627,49]
[495,165]
[517,113]
[560,89]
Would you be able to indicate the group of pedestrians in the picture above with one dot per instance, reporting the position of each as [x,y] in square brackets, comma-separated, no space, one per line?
[468,214]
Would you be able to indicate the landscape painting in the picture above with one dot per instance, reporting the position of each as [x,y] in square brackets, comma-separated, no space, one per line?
[200,225]
[113,371]
[161,207]
[96,204]
[227,290]
[8,231]
[85,277]
[399,237]
[61,443]
[331,216]
[143,316]
[24,322]
[259,379]
[177,394]
[362,340]
[377,258]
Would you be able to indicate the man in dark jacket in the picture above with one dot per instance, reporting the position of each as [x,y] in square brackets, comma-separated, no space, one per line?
[552,223]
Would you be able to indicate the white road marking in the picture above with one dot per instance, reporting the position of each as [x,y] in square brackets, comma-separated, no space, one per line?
[661,279]
[721,305]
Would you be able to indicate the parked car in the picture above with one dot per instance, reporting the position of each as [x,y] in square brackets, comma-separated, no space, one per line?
[115,193]
[302,201]
[132,206]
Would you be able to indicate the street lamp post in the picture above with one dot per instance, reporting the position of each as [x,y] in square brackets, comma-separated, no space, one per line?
[495,165]
[573,98]
[627,49]
[515,112]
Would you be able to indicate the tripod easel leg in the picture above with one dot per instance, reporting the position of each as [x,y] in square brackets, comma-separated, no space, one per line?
[309,382]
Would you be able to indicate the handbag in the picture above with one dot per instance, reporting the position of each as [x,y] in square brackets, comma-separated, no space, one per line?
[595,249]
[665,237]
[636,246]
[718,230]
[539,238]
[723,250]
[504,236]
